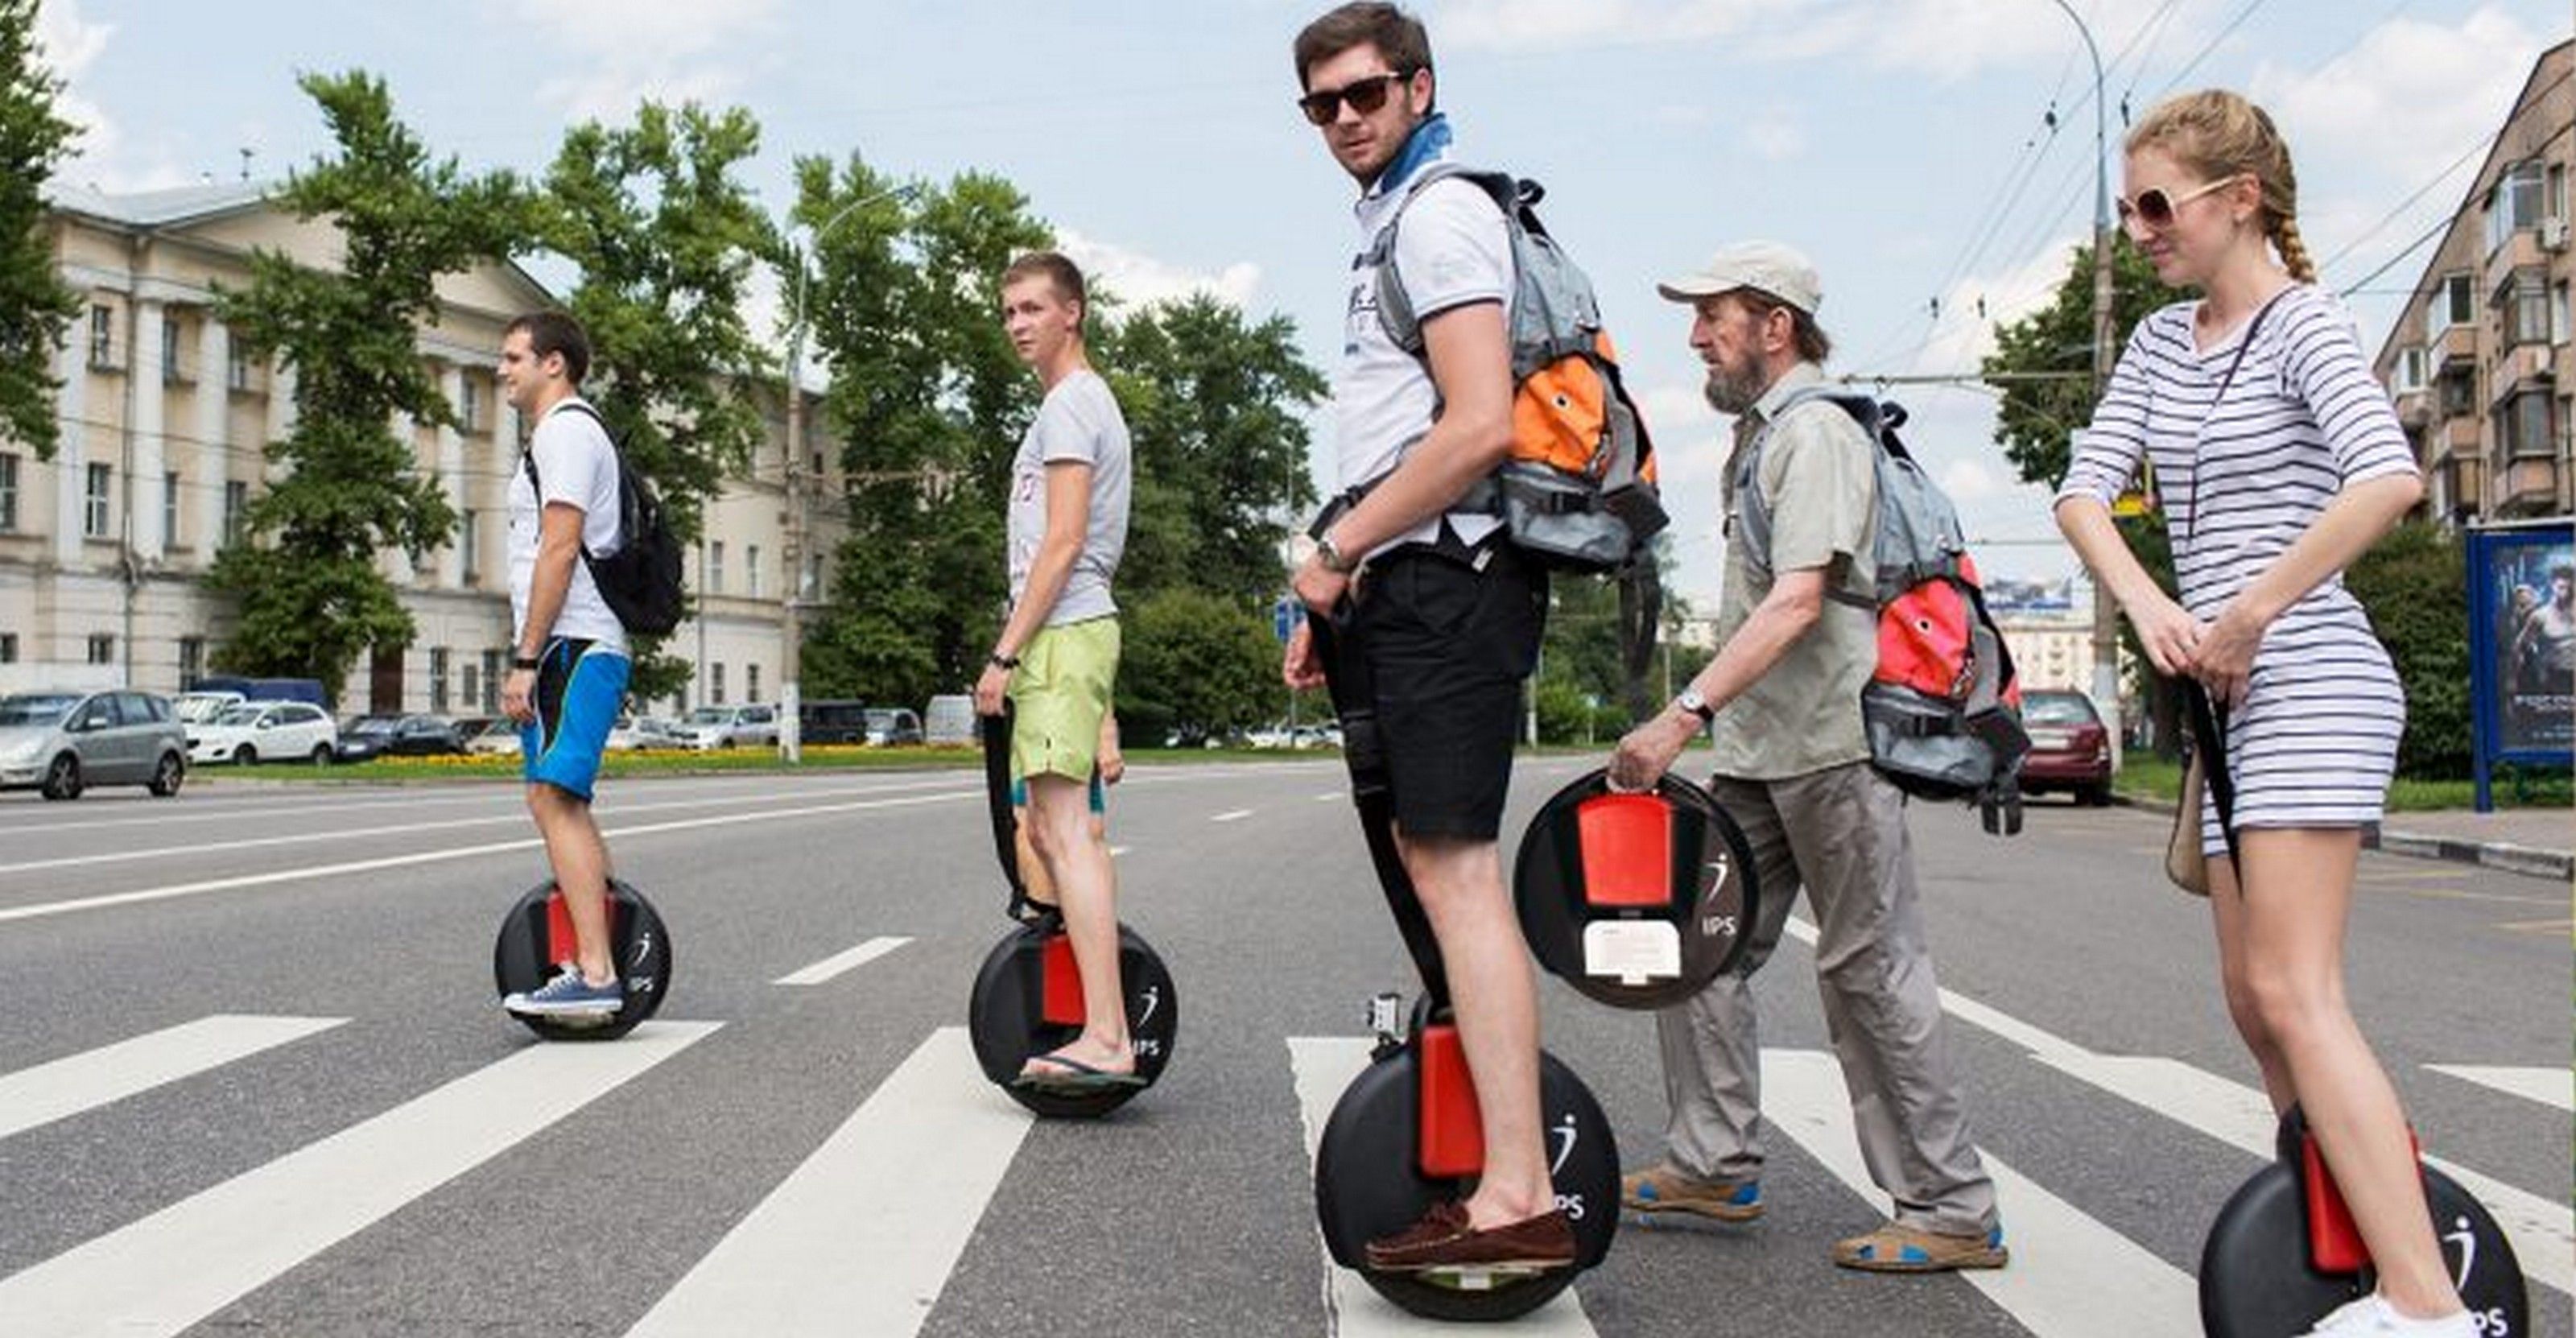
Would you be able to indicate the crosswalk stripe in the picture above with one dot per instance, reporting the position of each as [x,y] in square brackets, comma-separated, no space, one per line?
[861,1237]
[1232,815]
[2543,1230]
[2068,1270]
[1324,1065]
[2548,1086]
[166,1272]
[93,1078]
[840,962]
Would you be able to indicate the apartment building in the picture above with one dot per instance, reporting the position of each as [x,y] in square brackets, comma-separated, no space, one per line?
[164,420]
[2481,363]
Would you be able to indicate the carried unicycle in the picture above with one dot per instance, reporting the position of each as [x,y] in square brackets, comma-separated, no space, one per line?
[537,940]
[1407,1133]
[1636,900]
[1028,995]
[2284,1251]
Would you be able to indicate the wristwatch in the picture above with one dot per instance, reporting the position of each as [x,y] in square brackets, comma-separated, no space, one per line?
[1001,661]
[1334,560]
[526,662]
[1690,700]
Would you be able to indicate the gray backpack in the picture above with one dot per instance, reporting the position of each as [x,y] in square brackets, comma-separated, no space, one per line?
[1579,490]
[1943,708]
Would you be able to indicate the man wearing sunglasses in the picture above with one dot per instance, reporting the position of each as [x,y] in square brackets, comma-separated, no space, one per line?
[1441,618]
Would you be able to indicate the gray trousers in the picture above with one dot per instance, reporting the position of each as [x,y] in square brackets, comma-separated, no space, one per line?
[1839,834]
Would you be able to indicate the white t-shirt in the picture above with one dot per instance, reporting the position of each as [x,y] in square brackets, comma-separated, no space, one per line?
[1452,250]
[579,466]
[1078,423]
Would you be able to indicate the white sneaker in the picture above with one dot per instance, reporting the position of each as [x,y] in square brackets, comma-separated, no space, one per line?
[2372,1316]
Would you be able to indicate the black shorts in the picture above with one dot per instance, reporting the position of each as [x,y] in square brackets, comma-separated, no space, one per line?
[1451,634]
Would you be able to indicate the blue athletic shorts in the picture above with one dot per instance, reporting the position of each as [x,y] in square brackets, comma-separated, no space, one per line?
[1099,793]
[580,686]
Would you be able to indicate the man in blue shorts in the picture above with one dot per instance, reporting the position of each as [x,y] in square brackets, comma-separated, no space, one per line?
[569,665]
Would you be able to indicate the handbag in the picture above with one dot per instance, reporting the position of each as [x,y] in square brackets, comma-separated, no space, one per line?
[2184,862]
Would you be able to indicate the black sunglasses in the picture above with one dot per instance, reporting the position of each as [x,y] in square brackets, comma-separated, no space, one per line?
[2156,209]
[1365,95]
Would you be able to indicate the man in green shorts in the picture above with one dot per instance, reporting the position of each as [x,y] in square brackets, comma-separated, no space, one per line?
[1058,651]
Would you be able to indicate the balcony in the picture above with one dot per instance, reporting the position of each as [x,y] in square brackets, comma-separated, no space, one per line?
[2527,486]
[2458,344]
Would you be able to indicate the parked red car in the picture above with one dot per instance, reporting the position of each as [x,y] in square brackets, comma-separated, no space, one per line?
[2069,747]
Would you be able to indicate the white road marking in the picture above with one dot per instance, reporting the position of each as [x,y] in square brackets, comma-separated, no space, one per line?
[1328,796]
[840,962]
[2068,1270]
[168,1271]
[2542,1229]
[861,1237]
[1116,851]
[2548,1086]
[1232,815]
[64,1087]
[1324,1065]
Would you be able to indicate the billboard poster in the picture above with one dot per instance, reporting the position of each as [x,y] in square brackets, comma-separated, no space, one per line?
[2522,632]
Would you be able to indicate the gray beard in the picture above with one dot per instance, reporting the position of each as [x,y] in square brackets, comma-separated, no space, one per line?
[1732,395]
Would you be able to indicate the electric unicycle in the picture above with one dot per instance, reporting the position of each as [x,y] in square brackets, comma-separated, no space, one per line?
[2284,1251]
[1027,998]
[537,938]
[1407,1133]
[1639,900]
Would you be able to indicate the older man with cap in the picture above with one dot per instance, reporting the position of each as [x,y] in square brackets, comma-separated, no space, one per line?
[1797,641]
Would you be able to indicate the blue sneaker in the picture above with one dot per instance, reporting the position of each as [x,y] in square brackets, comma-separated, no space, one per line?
[567,993]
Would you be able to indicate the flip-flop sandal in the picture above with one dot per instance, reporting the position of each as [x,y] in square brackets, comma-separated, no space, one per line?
[1076,1076]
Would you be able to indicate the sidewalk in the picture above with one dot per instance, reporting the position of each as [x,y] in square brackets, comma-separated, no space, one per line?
[2540,842]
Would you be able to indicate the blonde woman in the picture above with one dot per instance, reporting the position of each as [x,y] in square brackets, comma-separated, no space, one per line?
[2279,462]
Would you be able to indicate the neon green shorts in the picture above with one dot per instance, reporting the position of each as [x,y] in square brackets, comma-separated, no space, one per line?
[1059,695]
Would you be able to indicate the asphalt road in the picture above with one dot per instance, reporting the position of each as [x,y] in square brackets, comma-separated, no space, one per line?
[253,1078]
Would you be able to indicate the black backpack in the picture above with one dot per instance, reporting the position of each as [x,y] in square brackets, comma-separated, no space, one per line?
[640,582]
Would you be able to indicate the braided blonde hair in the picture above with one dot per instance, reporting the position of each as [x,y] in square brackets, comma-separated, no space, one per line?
[2217,134]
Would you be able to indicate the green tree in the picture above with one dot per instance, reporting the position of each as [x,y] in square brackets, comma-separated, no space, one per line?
[2037,419]
[2412,583]
[307,586]
[35,306]
[1195,664]
[666,238]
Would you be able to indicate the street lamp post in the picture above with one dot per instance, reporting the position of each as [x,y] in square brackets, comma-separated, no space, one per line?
[791,621]
[2106,617]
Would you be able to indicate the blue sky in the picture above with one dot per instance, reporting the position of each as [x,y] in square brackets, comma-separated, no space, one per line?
[1900,143]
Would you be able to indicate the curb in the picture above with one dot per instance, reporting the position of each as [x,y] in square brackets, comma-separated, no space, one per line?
[2526,860]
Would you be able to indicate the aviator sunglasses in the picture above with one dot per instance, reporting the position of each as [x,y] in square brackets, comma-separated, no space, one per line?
[1365,95]
[2156,209]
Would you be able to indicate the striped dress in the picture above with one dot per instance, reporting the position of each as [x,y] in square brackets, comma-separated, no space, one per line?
[2315,741]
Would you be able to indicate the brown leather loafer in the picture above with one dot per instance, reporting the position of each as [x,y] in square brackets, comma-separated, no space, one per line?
[1443,1239]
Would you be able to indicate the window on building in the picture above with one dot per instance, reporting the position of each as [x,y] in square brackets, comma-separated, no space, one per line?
[469,545]
[8,648]
[236,509]
[2410,370]
[9,485]
[2562,317]
[192,661]
[237,368]
[751,570]
[438,678]
[2523,303]
[470,690]
[715,684]
[812,586]
[751,682]
[170,507]
[2453,301]
[2459,390]
[491,681]
[469,404]
[715,570]
[2514,205]
[94,501]
[2553,199]
[171,372]
[102,649]
[2523,426]
[102,336]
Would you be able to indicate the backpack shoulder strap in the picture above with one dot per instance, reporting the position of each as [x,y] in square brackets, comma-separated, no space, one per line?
[1753,510]
[625,483]
[1394,306]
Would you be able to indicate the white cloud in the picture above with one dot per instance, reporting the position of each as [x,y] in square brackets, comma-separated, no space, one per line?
[622,52]
[101,156]
[1140,280]
[2408,98]
[1775,138]
[1970,481]
[1521,25]
[1975,305]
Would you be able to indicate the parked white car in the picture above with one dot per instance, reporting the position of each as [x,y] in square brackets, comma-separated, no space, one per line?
[712,727]
[201,708]
[266,731]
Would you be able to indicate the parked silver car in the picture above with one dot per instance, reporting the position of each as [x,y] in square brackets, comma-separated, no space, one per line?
[64,742]
[711,727]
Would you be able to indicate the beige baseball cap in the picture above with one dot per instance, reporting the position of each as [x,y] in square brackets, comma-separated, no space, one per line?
[1768,266]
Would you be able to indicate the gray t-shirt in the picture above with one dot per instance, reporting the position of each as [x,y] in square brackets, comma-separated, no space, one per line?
[1079,422]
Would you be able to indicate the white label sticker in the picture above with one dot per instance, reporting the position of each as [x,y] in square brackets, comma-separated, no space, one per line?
[1632,951]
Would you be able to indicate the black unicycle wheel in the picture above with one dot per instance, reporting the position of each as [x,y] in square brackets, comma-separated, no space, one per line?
[1638,901]
[1371,1181]
[1028,1001]
[536,937]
